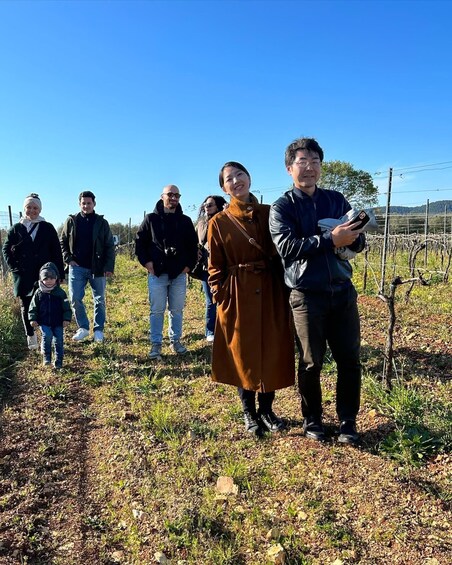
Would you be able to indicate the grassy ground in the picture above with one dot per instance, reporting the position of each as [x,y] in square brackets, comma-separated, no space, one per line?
[116,458]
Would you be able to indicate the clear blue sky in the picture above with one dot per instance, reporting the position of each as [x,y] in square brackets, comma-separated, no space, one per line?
[125,97]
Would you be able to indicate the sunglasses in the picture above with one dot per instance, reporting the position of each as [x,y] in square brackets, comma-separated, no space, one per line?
[172,195]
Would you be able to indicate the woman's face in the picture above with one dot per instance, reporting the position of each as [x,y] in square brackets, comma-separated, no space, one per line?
[31,211]
[210,207]
[236,183]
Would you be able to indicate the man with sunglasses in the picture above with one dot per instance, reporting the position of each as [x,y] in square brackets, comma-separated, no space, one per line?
[166,246]
[322,296]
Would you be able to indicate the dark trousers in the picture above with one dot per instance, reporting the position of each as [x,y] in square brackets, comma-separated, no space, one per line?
[333,319]
[25,302]
[264,399]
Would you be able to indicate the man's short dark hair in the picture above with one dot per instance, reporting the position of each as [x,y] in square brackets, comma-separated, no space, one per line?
[302,143]
[86,194]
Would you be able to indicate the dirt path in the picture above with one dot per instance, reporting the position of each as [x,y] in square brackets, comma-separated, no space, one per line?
[46,505]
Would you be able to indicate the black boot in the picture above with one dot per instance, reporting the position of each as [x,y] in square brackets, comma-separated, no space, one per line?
[268,418]
[252,425]
[271,422]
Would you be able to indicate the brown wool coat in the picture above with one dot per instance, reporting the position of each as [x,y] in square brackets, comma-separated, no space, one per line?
[254,343]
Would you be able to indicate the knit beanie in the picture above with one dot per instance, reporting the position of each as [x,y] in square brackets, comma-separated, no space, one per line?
[33,199]
[48,270]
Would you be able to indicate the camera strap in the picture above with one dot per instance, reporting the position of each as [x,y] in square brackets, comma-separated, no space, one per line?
[164,230]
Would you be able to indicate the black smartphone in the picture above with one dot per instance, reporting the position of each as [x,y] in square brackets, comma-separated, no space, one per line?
[360,220]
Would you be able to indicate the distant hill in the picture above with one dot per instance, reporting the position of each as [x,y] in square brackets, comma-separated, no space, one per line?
[434,208]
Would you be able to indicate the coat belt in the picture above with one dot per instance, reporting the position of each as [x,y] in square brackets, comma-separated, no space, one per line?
[253,266]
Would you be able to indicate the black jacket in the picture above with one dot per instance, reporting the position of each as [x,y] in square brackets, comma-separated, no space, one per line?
[103,250]
[50,308]
[168,240]
[310,262]
[25,256]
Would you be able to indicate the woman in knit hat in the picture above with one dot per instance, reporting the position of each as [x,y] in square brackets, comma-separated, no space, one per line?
[29,244]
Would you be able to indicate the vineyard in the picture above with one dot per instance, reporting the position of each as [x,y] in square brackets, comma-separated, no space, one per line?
[118,459]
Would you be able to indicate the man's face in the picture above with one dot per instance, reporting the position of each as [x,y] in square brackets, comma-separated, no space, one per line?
[170,197]
[87,205]
[305,170]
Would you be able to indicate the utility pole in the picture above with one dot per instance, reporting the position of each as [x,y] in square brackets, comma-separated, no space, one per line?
[386,234]
[445,223]
[426,231]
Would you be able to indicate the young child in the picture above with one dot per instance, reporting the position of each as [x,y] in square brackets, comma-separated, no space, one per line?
[50,309]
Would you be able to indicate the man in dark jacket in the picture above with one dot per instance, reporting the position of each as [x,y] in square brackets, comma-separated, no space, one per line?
[166,245]
[322,297]
[89,251]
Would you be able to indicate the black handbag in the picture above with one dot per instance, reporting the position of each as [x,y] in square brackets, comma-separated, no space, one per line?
[199,271]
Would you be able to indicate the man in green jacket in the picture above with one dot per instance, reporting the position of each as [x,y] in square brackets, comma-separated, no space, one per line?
[89,252]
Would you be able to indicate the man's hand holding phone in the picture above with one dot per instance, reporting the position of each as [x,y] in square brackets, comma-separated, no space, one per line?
[360,220]
[345,234]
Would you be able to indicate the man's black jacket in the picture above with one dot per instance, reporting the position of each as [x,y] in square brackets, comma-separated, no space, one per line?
[310,263]
[168,240]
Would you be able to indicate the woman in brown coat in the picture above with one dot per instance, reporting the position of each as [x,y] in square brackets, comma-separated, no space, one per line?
[254,345]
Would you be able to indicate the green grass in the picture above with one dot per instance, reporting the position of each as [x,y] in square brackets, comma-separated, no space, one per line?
[168,433]
[422,421]
[12,336]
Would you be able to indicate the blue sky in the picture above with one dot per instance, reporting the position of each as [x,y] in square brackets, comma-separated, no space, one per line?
[125,97]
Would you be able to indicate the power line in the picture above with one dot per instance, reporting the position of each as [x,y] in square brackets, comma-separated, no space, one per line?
[413,191]
[422,166]
[417,169]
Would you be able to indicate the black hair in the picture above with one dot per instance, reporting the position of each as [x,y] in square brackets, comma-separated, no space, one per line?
[302,143]
[219,201]
[86,194]
[231,164]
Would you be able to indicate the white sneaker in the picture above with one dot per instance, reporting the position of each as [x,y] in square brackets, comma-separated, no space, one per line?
[32,341]
[210,338]
[98,336]
[80,334]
